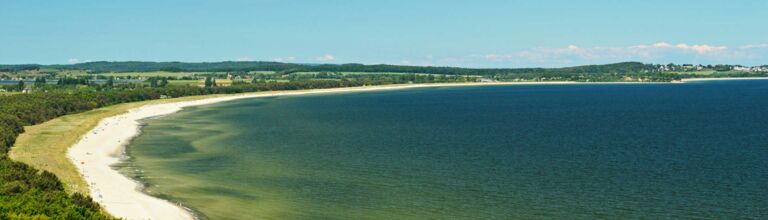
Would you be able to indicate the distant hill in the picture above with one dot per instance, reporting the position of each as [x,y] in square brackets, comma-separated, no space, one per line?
[137,66]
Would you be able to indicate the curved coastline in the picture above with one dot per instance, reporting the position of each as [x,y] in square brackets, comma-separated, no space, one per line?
[102,147]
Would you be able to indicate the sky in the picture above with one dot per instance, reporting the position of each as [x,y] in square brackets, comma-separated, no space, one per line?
[485,34]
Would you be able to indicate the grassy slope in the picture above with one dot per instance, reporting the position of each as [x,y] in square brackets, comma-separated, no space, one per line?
[44,146]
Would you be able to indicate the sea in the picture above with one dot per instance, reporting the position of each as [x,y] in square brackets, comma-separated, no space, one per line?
[587,151]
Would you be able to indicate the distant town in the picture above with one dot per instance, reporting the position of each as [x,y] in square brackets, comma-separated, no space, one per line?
[699,67]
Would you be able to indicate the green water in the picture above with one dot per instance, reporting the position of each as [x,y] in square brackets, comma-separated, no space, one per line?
[499,152]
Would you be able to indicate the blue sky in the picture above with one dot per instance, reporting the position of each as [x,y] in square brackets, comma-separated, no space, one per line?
[428,32]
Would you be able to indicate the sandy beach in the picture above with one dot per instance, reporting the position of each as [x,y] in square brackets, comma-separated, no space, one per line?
[122,197]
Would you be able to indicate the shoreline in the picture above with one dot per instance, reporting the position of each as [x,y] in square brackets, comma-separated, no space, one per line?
[103,146]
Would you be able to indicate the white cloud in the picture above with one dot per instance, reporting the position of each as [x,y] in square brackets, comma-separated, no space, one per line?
[704,48]
[662,45]
[641,52]
[660,52]
[658,45]
[754,46]
[73,61]
[682,47]
[284,59]
[573,54]
[326,57]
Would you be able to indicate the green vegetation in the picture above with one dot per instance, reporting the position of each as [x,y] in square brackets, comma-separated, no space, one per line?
[187,73]
[9,93]
[26,193]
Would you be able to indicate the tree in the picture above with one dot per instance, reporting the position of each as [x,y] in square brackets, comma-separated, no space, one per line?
[153,82]
[20,86]
[110,82]
[40,82]
[208,82]
[164,82]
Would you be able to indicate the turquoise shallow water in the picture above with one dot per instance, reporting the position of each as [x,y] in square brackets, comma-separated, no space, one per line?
[696,150]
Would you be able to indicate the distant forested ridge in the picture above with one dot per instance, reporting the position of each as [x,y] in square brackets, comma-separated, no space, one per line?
[625,71]
[136,66]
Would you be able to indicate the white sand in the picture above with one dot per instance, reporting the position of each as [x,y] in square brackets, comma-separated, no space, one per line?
[102,147]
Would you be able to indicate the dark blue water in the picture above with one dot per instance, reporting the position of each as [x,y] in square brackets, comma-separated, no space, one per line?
[697,150]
